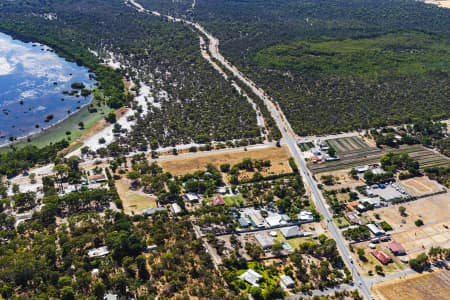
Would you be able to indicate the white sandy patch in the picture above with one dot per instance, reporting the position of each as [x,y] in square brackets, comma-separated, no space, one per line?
[5,67]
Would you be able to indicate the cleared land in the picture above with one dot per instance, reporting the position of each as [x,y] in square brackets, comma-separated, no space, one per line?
[371,155]
[277,155]
[133,201]
[434,211]
[418,286]
[420,186]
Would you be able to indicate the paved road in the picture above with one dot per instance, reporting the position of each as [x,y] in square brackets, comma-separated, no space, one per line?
[290,139]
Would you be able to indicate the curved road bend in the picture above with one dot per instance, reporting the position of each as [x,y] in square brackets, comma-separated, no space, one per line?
[289,137]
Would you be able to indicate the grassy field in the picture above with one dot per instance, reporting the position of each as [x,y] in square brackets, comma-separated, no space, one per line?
[400,54]
[433,285]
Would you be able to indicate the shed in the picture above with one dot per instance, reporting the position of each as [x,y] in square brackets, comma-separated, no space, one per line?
[191,197]
[152,210]
[176,209]
[290,232]
[375,229]
[111,297]
[98,252]
[287,281]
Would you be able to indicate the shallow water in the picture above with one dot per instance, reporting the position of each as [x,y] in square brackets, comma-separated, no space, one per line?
[32,81]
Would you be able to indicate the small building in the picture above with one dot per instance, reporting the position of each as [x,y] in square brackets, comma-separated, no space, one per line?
[217,200]
[315,151]
[305,215]
[264,240]
[290,232]
[192,197]
[152,210]
[243,223]
[98,252]
[97,178]
[381,257]
[287,281]
[396,248]
[362,169]
[251,277]
[375,229]
[221,190]
[176,208]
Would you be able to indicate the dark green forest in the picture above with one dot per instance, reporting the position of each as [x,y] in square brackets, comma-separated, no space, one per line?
[336,65]
[200,104]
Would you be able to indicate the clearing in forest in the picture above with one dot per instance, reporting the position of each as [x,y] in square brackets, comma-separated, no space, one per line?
[133,201]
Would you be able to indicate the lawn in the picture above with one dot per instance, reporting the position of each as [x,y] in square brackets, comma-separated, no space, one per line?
[341,222]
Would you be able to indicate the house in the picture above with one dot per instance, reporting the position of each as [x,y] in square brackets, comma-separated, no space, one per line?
[290,232]
[192,197]
[277,220]
[217,200]
[98,252]
[251,277]
[287,281]
[305,215]
[396,248]
[243,223]
[354,218]
[315,159]
[97,178]
[152,210]
[375,229]
[264,240]
[381,257]
[176,208]
[256,219]
[352,205]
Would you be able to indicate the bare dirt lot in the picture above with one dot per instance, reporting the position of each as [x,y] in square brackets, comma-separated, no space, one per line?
[342,179]
[433,285]
[133,201]
[434,211]
[182,165]
[420,186]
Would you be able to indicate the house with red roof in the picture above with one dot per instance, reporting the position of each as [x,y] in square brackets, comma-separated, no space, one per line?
[396,248]
[217,200]
[381,256]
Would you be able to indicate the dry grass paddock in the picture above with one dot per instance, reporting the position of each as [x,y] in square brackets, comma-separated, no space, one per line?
[433,285]
[434,211]
[420,186]
[183,165]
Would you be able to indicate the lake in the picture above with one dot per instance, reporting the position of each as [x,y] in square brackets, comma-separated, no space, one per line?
[36,88]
